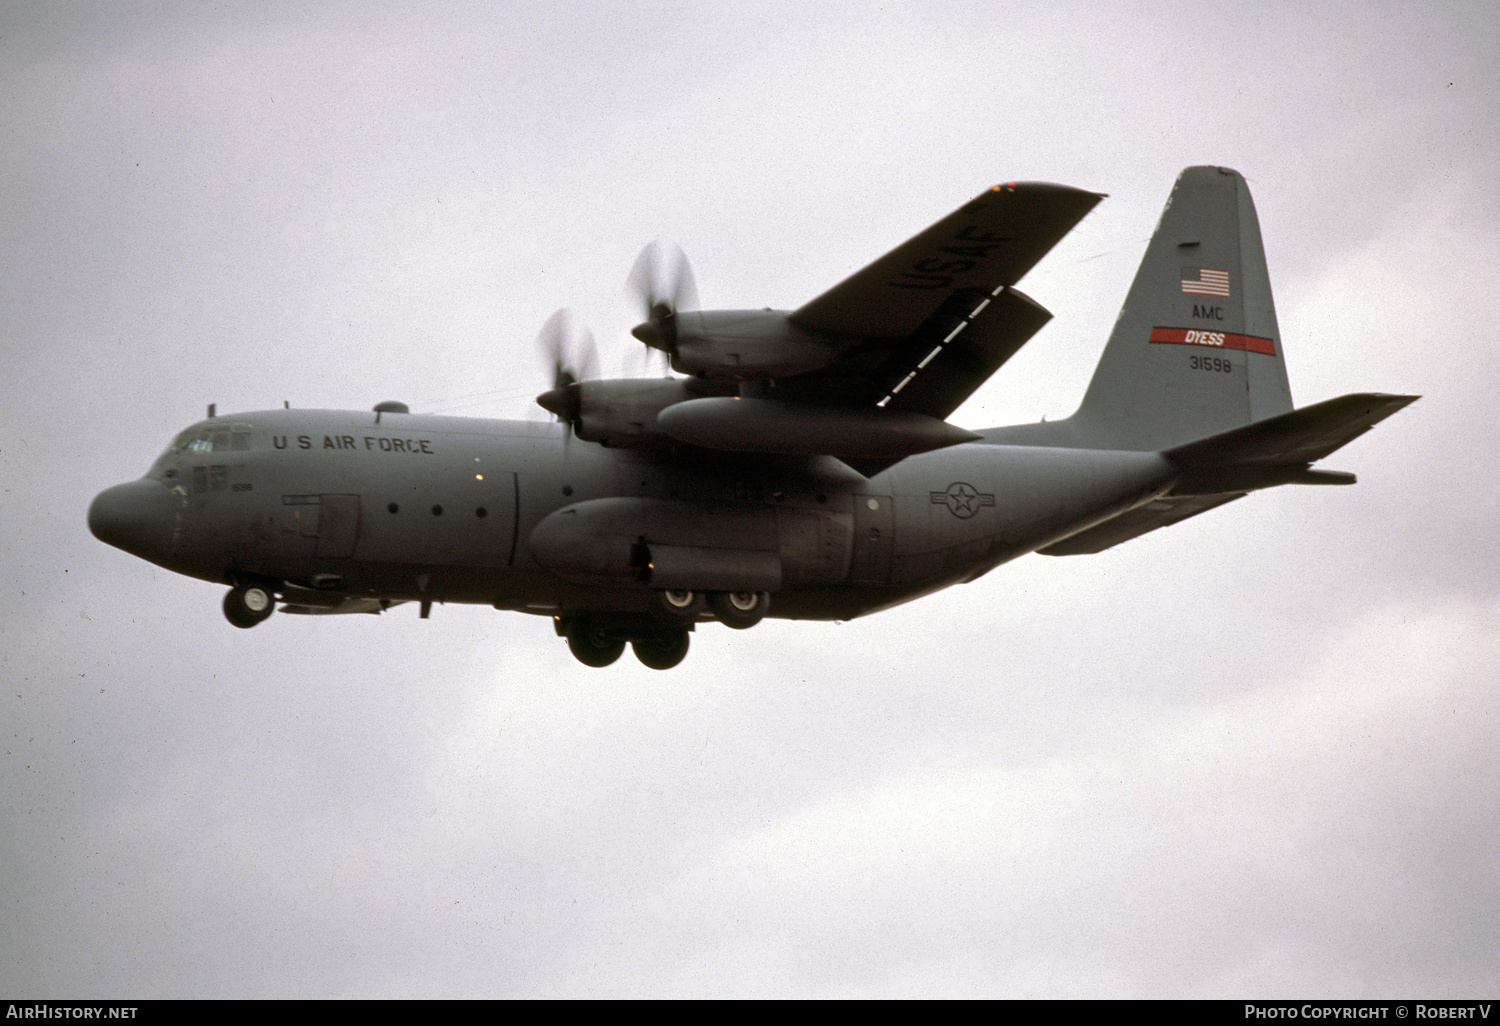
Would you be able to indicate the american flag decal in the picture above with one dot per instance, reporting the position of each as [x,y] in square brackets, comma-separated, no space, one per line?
[1205,281]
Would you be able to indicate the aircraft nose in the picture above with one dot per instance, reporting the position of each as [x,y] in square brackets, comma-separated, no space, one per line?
[136,517]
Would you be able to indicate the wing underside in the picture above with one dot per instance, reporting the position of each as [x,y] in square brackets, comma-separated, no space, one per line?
[991,241]
[888,354]
[934,318]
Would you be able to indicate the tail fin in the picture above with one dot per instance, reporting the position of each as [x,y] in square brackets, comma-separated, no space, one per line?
[1196,350]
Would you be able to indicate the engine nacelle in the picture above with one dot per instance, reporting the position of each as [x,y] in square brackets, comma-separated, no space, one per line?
[746,345]
[623,412]
[804,429]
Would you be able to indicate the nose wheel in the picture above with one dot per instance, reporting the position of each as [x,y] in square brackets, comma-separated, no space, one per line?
[248,605]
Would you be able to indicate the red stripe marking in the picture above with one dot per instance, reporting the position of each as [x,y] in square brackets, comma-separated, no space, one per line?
[1216,339]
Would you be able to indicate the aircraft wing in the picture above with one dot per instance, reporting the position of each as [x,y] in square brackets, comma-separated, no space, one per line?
[937,315]
[991,241]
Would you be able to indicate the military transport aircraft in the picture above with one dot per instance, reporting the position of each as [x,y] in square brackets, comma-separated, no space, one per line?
[802,467]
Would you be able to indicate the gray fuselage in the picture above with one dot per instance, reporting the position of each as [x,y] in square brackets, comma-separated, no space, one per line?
[402,507]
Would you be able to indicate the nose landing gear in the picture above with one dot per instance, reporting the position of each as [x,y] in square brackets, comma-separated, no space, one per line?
[249,604]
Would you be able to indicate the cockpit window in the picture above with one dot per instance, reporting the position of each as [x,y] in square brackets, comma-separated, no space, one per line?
[230,437]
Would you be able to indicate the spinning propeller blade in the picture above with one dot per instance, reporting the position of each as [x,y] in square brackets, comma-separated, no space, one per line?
[570,349]
[662,284]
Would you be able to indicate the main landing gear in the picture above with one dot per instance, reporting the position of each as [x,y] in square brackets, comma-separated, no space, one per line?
[591,642]
[249,604]
[660,639]
[740,609]
[737,609]
[598,639]
[662,652]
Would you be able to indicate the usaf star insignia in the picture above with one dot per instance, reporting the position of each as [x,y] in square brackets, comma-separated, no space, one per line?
[962,499]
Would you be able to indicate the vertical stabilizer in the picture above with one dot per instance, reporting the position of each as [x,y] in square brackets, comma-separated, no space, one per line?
[1196,349]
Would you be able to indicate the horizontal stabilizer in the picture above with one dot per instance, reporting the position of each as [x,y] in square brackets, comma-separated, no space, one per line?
[1226,466]
[1278,450]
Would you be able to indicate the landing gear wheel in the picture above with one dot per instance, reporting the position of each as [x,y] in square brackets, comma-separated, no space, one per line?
[740,609]
[249,605]
[679,606]
[591,647]
[663,652]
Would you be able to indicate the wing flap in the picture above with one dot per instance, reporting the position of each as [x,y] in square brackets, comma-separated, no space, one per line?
[947,360]
[990,241]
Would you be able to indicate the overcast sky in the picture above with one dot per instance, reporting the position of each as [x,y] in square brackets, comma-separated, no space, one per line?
[1255,754]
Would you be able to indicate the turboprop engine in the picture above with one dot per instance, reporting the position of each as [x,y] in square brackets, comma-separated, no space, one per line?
[802,429]
[737,345]
[633,412]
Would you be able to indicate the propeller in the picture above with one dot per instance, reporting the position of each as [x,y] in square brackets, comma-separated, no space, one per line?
[662,283]
[569,347]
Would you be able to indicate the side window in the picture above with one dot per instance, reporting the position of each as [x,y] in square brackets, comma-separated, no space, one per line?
[211,479]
